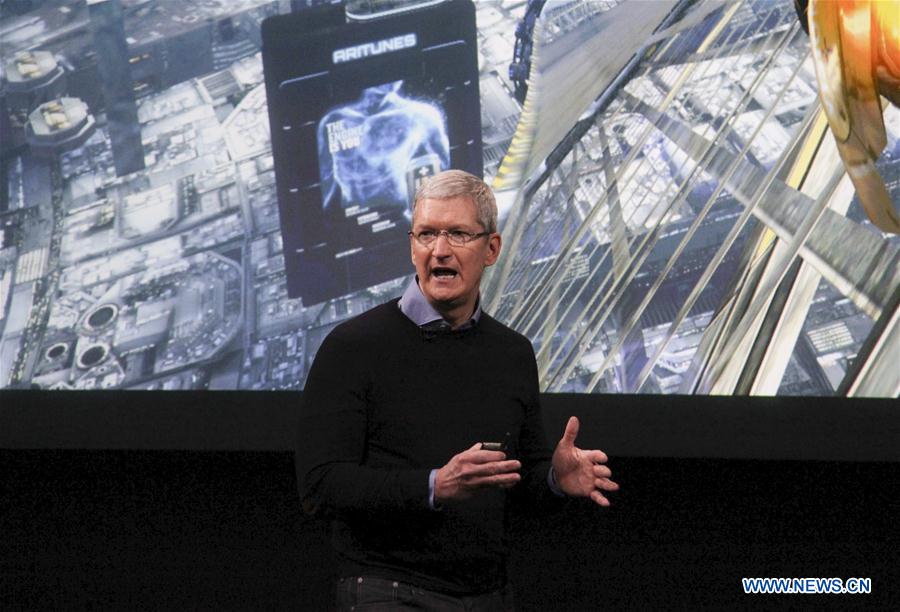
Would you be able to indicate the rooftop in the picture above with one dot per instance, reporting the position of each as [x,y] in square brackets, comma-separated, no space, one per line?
[26,67]
[58,116]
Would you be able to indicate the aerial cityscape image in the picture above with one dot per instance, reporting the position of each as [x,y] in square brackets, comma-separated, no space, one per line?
[184,208]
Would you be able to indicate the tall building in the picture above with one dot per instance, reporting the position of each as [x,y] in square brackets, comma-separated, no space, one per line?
[33,77]
[111,46]
[58,126]
[30,78]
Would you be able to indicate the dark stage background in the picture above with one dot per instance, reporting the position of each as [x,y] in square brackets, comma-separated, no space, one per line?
[112,502]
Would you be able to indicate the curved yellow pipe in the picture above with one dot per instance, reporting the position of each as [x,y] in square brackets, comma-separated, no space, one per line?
[856,52]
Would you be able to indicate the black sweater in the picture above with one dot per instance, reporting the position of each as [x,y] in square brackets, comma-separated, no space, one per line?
[384,404]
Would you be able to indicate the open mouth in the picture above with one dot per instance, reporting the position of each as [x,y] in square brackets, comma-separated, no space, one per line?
[444,273]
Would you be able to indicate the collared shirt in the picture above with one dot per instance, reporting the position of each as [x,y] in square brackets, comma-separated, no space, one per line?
[419,310]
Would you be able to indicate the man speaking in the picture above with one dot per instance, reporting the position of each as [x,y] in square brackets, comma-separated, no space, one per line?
[421,421]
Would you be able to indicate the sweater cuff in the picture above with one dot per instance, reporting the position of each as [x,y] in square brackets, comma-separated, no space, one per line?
[553,484]
[410,492]
[432,476]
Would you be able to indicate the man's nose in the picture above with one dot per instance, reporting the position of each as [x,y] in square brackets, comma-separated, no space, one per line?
[441,246]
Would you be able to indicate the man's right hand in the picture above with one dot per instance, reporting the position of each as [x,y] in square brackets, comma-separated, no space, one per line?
[474,469]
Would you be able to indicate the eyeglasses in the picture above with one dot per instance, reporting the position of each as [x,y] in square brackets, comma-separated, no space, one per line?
[454,237]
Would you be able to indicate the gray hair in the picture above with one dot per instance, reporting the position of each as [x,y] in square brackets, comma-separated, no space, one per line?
[457,183]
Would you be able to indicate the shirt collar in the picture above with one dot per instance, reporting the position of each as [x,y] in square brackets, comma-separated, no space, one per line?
[419,310]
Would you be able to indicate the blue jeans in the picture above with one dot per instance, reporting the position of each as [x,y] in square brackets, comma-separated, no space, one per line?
[370,594]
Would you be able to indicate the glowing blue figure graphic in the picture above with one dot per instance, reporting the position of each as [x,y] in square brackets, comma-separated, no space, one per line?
[378,148]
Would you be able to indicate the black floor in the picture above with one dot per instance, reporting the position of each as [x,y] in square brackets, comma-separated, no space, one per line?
[223,530]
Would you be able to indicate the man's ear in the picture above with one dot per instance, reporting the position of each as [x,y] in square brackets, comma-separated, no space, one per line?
[493,246]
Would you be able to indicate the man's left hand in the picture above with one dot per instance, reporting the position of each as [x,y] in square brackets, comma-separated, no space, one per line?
[580,473]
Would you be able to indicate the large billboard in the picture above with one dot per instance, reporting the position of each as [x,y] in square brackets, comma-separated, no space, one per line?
[676,215]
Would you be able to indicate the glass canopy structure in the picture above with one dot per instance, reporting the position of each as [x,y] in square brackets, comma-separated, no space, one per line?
[694,230]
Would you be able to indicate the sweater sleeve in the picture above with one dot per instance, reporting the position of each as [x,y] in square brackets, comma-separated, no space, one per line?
[330,454]
[534,450]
